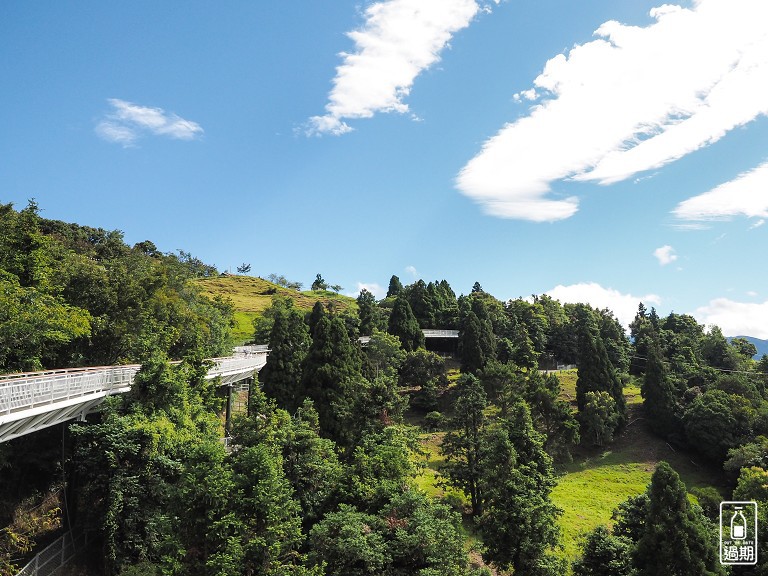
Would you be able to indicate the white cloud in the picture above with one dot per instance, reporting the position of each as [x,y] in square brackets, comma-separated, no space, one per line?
[623,306]
[377,290]
[736,318]
[746,195]
[127,122]
[665,255]
[634,99]
[400,39]
[412,271]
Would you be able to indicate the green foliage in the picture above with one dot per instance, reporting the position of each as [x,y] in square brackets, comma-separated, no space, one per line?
[599,417]
[319,283]
[371,316]
[603,554]
[552,416]
[659,394]
[395,287]
[717,421]
[676,538]
[385,355]
[596,373]
[403,324]
[289,343]
[464,444]
[516,479]
[425,371]
[34,326]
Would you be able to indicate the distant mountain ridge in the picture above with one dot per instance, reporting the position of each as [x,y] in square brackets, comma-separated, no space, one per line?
[761,345]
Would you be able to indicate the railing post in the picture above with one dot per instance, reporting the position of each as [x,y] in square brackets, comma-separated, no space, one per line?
[228,418]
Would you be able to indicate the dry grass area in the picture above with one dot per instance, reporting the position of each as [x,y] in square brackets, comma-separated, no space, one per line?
[251,296]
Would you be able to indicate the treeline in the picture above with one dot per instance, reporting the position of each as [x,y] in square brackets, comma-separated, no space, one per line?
[321,476]
[74,295]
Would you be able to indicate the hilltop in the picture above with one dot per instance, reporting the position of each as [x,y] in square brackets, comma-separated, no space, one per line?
[251,296]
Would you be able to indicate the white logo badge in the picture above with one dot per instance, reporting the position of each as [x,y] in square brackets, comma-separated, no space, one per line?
[738,533]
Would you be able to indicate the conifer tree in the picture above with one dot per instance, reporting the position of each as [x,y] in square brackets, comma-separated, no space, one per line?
[289,343]
[658,393]
[595,371]
[676,538]
[395,287]
[330,372]
[518,521]
[403,323]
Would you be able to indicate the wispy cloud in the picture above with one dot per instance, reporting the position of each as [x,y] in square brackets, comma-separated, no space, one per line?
[634,99]
[736,318]
[376,289]
[399,39]
[411,270]
[128,122]
[746,195]
[624,306]
[665,255]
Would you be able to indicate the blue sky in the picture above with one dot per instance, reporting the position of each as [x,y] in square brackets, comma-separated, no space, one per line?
[598,151]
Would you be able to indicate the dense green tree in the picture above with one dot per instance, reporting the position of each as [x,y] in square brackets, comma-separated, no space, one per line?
[503,383]
[752,486]
[395,287]
[463,445]
[595,371]
[599,417]
[385,355]
[319,283]
[603,554]
[35,326]
[424,371]
[518,519]
[311,465]
[552,416]
[289,343]
[350,542]
[716,421]
[422,304]
[330,373]
[403,324]
[744,347]
[370,315]
[658,393]
[676,540]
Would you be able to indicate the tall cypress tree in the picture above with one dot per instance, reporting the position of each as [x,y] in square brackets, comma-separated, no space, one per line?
[330,372]
[289,343]
[403,323]
[518,522]
[676,538]
[595,371]
[395,287]
[658,393]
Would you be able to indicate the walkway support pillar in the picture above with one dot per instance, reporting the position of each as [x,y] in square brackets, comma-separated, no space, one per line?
[228,417]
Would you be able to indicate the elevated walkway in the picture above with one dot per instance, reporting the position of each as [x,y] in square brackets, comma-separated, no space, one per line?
[36,400]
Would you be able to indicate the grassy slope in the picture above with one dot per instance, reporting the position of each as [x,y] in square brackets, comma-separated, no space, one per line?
[251,296]
[598,479]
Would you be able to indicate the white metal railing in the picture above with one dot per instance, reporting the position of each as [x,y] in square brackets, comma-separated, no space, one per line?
[430,333]
[34,389]
[248,350]
[35,400]
[55,555]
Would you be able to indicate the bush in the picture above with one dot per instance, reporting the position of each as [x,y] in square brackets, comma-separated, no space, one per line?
[434,421]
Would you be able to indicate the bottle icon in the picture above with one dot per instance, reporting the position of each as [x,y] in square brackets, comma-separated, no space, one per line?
[738,525]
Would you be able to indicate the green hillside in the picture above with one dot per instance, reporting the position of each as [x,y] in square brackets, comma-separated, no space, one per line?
[251,296]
